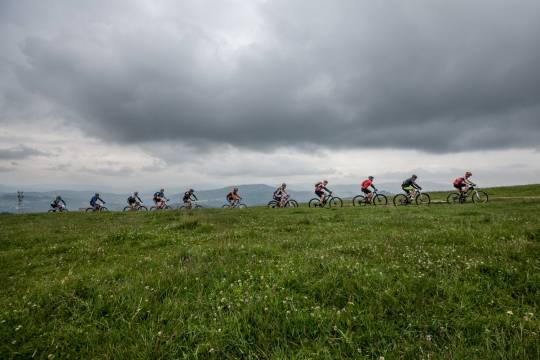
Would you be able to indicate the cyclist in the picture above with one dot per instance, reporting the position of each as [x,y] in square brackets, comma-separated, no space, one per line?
[320,188]
[159,198]
[189,196]
[280,193]
[463,183]
[366,184]
[58,203]
[134,200]
[233,198]
[94,201]
[409,185]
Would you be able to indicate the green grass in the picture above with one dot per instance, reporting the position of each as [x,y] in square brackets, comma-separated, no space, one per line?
[433,282]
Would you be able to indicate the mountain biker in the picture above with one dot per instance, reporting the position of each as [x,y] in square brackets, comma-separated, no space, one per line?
[280,193]
[188,197]
[233,198]
[366,184]
[320,188]
[410,184]
[159,198]
[134,200]
[463,183]
[94,201]
[58,203]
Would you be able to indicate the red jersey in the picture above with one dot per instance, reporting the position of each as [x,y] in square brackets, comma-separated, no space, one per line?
[366,183]
[458,181]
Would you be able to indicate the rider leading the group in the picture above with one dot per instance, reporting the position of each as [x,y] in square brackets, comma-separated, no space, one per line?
[320,189]
[134,200]
[366,184]
[233,197]
[463,183]
[94,201]
[409,185]
[188,197]
[159,198]
[58,203]
[280,193]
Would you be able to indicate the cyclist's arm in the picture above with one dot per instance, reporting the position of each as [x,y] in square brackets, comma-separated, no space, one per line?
[374,188]
[194,197]
[416,186]
[327,190]
[63,202]
[138,198]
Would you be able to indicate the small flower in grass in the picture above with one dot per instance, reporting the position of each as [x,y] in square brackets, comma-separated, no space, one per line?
[381,357]
[428,337]
[211,350]
[19,327]
[510,312]
[159,333]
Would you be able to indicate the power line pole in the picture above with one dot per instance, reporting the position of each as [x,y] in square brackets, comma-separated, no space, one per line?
[20,198]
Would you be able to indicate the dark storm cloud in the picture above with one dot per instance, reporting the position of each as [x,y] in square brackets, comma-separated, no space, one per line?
[19,152]
[433,75]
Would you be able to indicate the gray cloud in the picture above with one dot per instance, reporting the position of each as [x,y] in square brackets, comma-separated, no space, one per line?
[123,170]
[432,75]
[19,152]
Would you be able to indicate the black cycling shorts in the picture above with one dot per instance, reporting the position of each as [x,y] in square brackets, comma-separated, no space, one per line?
[366,191]
[319,193]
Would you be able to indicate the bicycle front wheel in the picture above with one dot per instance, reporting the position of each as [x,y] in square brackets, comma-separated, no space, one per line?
[127,208]
[291,203]
[479,197]
[423,199]
[103,208]
[400,200]
[143,208]
[242,206]
[335,202]
[314,203]
[272,204]
[380,199]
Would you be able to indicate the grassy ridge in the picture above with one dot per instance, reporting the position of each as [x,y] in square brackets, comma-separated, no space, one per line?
[440,282]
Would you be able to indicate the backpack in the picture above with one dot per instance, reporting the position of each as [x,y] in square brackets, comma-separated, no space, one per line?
[458,181]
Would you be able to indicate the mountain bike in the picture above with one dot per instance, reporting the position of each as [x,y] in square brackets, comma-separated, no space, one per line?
[98,208]
[162,205]
[415,197]
[330,201]
[191,206]
[58,209]
[136,207]
[235,205]
[476,196]
[285,202]
[376,199]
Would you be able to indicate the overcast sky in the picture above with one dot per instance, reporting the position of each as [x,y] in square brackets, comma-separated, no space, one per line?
[211,93]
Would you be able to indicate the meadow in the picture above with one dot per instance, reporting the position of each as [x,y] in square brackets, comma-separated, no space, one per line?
[437,282]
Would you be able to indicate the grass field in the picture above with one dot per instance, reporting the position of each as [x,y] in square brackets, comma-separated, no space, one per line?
[417,282]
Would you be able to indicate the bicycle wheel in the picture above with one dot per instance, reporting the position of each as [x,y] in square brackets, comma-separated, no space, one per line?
[423,199]
[127,208]
[359,200]
[335,202]
[226,206]
[103,208]
[400,200]
[380,199]
[314,203]
[167,207]
[272,204]
[142,208]
[453,198]
[242,206]
[89,209]
[51,210]
[479,197]
[291,203]
[153,208]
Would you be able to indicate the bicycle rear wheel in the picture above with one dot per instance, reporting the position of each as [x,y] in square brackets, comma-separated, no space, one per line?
[479,197]
[423,199]
[89,209]
[380,199]
[314,203]
[335,202]
[453,198]
[359,200]
[128,208]
[400,200]
[143,208]
[226,206]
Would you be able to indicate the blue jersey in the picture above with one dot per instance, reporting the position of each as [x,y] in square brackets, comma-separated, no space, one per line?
[93,200]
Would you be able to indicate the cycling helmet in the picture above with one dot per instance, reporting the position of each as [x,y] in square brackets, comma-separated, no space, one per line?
[58,197]
[414,176]
[325,181]
[136,193]
[370,177]
[162,190]
[235,189]
[97,194]
[468,173]
[191,190]
[284,185]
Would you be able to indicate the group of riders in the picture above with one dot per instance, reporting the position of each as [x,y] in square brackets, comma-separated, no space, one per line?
[280,195]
